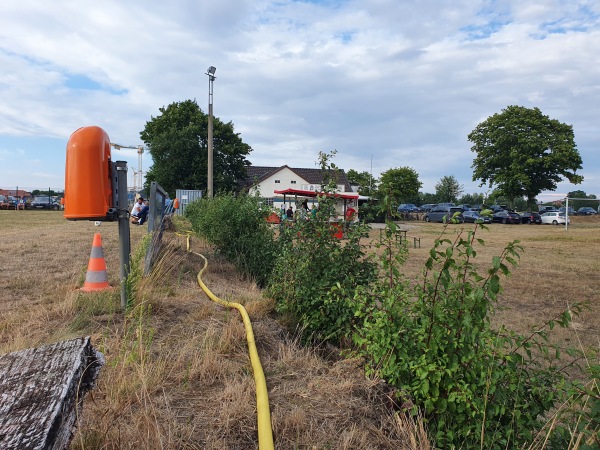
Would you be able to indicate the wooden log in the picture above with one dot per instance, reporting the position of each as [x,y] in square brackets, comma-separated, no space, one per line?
[41,391]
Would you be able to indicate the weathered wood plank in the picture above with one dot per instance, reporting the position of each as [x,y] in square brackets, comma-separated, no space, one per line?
[41,390]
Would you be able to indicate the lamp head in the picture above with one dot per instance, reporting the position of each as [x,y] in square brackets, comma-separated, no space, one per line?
[211,70]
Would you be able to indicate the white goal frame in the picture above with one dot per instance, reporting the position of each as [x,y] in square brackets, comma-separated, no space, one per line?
[567,207]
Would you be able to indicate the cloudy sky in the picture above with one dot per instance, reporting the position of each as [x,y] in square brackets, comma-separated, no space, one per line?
[386,83]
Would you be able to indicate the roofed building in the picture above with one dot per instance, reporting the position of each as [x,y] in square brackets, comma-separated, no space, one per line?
[267,180]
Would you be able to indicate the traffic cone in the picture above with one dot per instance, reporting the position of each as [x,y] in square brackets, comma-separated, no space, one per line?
[96,278]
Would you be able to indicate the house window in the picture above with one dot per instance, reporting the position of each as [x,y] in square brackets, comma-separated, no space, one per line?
[277,181]
[293,181]
[268,202]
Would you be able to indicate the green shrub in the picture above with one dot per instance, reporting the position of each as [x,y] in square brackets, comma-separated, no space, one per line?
[477,387]
[236,226]
[316,273]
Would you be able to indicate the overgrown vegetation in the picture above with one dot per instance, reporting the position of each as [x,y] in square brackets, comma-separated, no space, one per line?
[236,226]
[477,386]
[314,273]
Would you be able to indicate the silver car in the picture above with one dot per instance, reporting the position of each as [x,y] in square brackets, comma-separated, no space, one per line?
[554,218]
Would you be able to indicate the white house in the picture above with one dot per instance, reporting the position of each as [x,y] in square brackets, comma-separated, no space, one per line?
[267,180]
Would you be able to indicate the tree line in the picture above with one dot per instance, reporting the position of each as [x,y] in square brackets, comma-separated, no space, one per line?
[519,153]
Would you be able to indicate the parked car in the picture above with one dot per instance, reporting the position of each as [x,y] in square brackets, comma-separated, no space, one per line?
[530,217]
[554,218]
[586,211]
[563,209]
[498,208]
[44,202]
[464,206]
[472,216]
[506,216]
[407,208]
[545,209]
[428,207]
[8,202]
[443,214]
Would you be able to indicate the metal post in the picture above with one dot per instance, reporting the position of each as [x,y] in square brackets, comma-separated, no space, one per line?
[211,77]
[123,216]
[567,215]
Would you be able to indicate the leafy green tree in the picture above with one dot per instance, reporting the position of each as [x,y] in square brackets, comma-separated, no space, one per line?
[399,185]
[426,197]
[177,140]
[524,152]
[472,199]
[448,189]
[579,203]
[366,183]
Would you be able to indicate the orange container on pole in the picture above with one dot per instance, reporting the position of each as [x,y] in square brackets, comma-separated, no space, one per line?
[88,175]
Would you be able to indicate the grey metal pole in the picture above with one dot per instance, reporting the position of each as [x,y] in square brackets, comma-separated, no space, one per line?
[211,79]
[124,238]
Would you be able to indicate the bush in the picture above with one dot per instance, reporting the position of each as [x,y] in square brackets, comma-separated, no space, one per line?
[314,276]
[477,387]
[236,226]
[316,273]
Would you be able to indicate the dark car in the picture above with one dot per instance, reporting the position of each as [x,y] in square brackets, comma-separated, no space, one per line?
[571,211]
[531,217]
[428,207]
[505,216]
[472,216]
[44,202]
[444,214]
[408,208]
[498,208]
[586,211]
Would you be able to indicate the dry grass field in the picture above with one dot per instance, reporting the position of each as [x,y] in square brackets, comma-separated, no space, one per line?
[177,374]
[557,268]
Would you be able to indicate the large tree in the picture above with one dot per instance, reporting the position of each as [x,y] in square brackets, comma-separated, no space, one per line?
[177,140]
[523,152]
[399,185]
[364,180]
[448,189]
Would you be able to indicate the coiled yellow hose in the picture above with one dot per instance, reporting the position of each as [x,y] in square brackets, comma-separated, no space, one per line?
[265,433]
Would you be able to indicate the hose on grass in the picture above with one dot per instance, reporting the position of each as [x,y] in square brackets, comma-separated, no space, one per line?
[265,433]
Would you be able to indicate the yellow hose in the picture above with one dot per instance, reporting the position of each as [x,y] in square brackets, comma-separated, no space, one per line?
[265,433]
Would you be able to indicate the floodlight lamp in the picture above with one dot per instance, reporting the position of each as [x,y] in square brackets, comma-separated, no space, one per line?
[212,70]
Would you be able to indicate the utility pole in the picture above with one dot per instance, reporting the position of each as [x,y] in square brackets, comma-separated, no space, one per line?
[211,78]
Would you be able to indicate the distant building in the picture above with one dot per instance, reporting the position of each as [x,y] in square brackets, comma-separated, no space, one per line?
[267,180]
[15,193]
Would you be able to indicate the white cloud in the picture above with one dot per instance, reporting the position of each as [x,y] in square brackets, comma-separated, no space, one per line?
[398,82]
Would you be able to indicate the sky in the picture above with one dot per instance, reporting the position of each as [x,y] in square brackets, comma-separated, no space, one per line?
[385,83]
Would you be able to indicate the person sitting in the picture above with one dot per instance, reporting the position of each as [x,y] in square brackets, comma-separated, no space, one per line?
[144,212]
[139,212]
[290,213]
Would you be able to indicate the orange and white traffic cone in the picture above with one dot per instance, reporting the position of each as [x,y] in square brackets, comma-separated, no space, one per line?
[96,278]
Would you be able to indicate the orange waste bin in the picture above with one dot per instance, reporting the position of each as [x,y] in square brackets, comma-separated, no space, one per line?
[88,175]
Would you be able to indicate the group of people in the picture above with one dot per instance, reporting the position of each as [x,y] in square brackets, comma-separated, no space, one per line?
[303,212]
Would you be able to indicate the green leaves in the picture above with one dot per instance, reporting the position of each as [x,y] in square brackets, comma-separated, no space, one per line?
[523,152]
[177,142]
[478,387]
